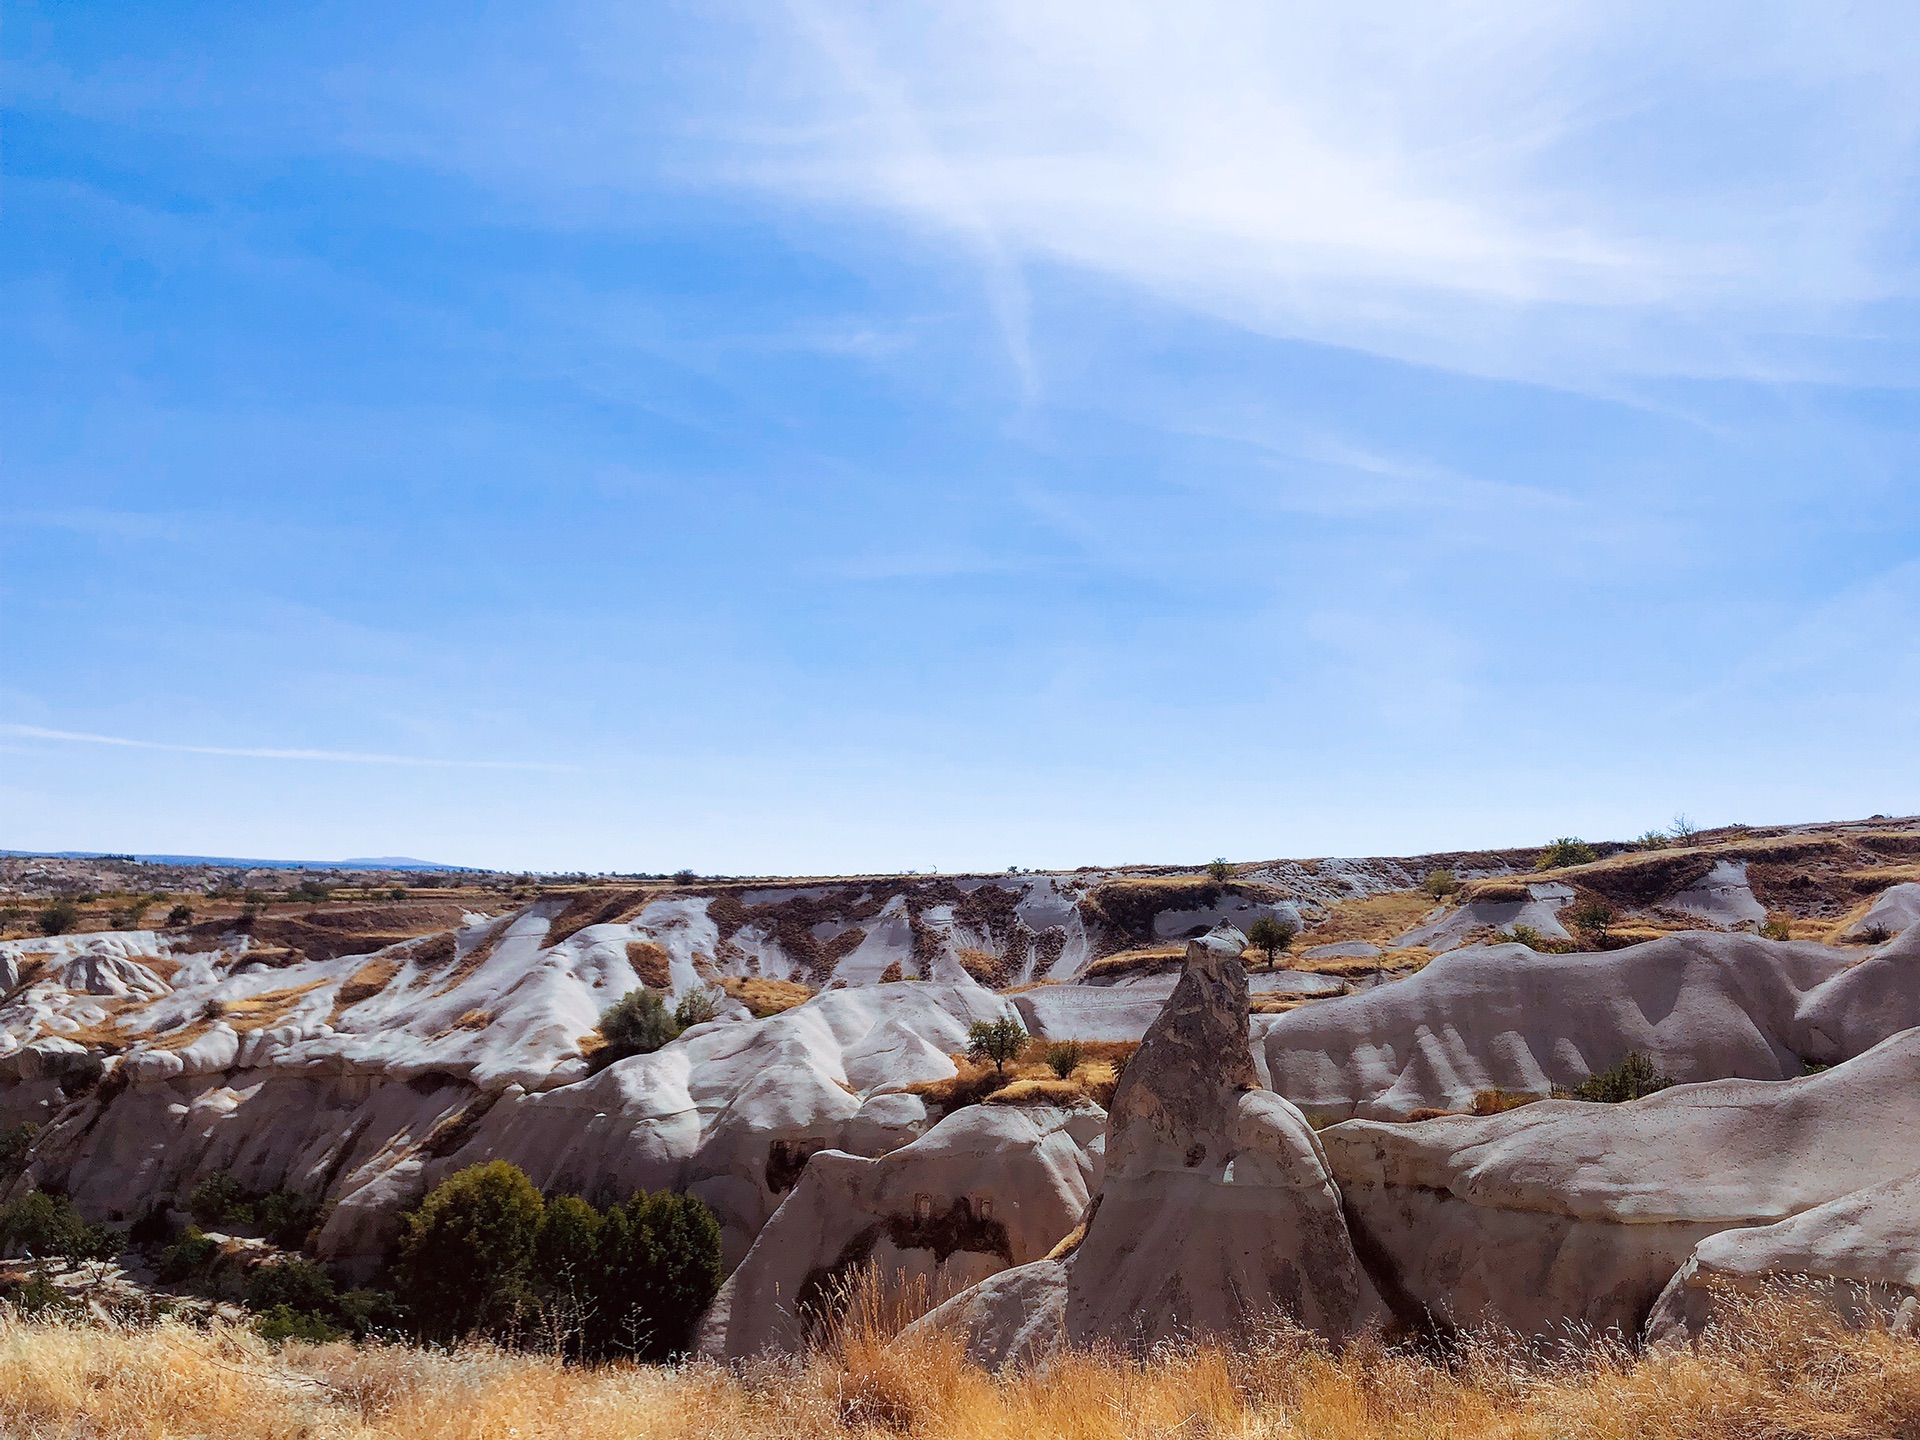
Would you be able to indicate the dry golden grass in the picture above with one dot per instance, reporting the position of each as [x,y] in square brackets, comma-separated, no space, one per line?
[268,1008]
[1149,958]
[651,963]
[766,997]
[366,982]
[1373,918]
[1779,1367]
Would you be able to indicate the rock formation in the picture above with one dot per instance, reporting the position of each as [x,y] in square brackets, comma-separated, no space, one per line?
[988,1187]
[1215,1209]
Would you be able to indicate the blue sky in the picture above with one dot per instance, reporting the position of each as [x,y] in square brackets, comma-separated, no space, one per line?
[829,437]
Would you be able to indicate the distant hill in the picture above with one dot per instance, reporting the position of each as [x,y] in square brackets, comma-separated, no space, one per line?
[229,862]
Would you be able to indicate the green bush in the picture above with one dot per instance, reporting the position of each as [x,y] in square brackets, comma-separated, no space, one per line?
[1592,916]
[16,1144]
[1567,850]
[1521,935]
[1219,871]
[658,1266]
[996,1040]
[696,1007]
[282,1323]
[1634,1078]
[191,1257]
[486,1254]
[466,1258]
[58,918]
[179,915]
[47,1227]
[1064,1057]
[1653,840]
[221,1200]
[635,1024]
[1776,930]
[1439,884]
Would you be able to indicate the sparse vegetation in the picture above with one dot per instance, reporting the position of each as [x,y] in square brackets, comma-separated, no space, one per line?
[1567,850]
[1652,840]
[1683,830]
[1064,1057]
[178,916]
[1498,1102]
[1591,916]
[764,997]
[1774,1365]
[1875,934]
[1633,1078]
[696,1007]
[996,1040]
[1273,935]
[1776,928]
[1439,884]
[1219,871]
[58,918]
[638,1023]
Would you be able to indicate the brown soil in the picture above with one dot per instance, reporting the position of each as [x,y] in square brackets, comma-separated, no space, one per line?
[366,982]
[595,907]
[650,963]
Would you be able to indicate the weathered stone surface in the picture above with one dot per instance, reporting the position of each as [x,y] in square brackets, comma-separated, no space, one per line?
[1215,1210]
[988,1187]
[1703,1006]
[1562,1212]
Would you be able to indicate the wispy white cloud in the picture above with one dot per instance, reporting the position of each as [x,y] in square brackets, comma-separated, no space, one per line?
[340,757]
[1549,190]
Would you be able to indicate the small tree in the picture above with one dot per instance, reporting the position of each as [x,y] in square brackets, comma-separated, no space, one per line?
[1683,830]
[1592,916]
[468,1251]
[1653,840]
[1635,1077]
[996,1040]
[1439,884]
[635,1024]
[178,916]
[1219,871]
[1272,935]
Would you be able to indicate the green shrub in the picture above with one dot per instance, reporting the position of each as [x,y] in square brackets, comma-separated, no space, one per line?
[486,1254]
[466,1258]
[296,1284]
[635,1024]
[1776,930]
[221,1200]
[1272,935]
[1567,850]
[1652,840]
[16,1145]
[47,1227]
[38,1295]
[191,1257]
[399,892]
[996,1040]
[1219,871]
[1064,1057]
[1592,916]
[58,918]
[658,1266]
[1633,1078]
[282,1323]
[179,915]
[1439,884]
[1521,935]
[284,1217]
[696,1007]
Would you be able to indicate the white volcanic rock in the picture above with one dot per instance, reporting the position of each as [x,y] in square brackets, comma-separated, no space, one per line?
[730,1112]
[1863,1249]
[988,1187]
[1563,1212]
[1704,1006]
[1721,898]
[1896,909]
[1215,1209]
[1451,928]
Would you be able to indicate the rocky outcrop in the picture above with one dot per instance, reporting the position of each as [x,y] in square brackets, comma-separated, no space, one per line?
[1703,1006]
[1215,1210]
[988,1187]
[1568,1213]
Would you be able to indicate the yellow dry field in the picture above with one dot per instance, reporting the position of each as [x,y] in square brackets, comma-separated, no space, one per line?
[764,997]
[1373,918]
[1780,1368]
